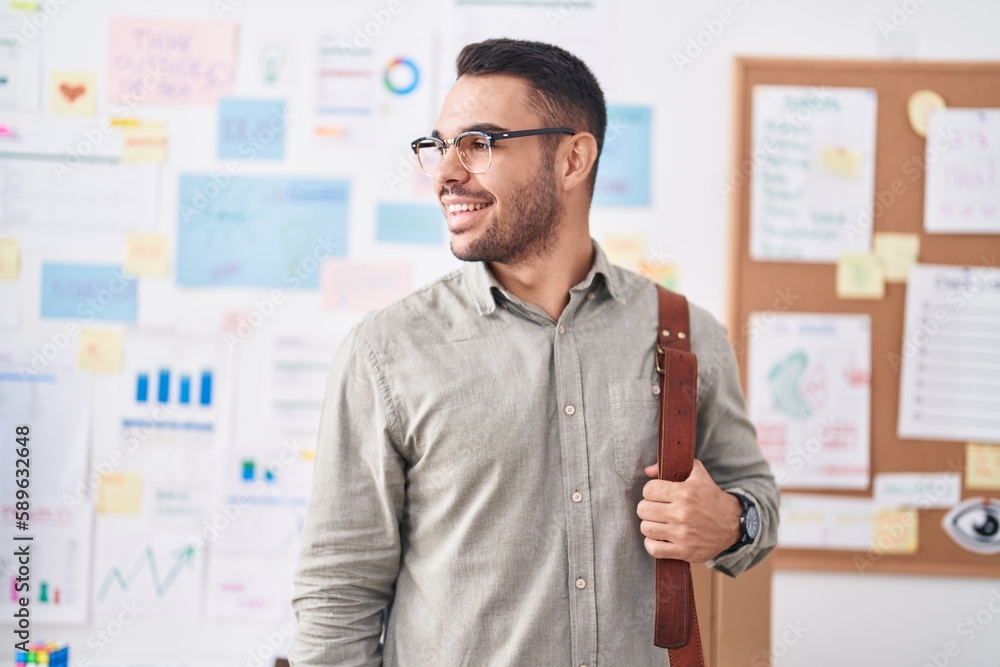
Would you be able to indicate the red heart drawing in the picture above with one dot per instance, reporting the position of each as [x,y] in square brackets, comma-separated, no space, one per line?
[72,92]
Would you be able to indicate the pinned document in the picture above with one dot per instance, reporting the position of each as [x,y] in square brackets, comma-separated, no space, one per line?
[860,276]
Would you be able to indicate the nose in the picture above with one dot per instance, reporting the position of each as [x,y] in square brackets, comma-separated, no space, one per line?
[450,169]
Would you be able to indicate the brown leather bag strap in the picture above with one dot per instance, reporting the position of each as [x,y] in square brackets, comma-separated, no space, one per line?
[676,622]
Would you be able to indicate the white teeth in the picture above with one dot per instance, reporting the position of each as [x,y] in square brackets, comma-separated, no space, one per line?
[457,208]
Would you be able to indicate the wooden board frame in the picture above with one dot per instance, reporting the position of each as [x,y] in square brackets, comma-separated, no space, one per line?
[899,180]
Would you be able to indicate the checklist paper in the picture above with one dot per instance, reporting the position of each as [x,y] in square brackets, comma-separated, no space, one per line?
[950,356]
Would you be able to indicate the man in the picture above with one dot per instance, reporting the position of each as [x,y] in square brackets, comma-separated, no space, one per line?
[481,488]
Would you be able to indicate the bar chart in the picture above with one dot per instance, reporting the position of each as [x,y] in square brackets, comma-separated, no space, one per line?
[179,393]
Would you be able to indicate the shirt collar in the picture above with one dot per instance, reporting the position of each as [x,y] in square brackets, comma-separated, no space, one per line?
[484,287]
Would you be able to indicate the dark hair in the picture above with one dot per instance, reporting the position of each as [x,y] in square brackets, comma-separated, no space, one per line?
[564,90]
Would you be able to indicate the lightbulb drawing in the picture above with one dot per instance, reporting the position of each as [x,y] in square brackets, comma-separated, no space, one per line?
[272,61]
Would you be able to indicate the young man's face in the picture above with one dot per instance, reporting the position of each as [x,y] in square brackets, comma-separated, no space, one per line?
[519,204]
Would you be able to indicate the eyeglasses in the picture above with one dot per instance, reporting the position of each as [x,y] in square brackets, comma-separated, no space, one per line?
[475,149]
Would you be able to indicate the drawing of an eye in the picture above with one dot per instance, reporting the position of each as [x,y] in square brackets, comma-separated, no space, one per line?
[975,525]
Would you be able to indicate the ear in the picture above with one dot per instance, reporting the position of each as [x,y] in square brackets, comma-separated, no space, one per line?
[578,158]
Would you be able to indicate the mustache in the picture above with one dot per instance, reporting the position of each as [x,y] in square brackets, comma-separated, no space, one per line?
[459,191]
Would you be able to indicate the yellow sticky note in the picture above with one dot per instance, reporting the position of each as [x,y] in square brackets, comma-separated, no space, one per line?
[10,259]
[860,276]
[626,250]
[920,106]
[897,253]
[24,5]
[144,142]
[73,92]
[146,255]
[662,274]
[841,161]
[982,466]
[120,493]
[896,531]
[100,350]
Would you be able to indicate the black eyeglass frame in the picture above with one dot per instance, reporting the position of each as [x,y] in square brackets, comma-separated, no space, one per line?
[490,137]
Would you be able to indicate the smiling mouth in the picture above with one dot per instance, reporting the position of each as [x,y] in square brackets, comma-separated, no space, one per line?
[461,208]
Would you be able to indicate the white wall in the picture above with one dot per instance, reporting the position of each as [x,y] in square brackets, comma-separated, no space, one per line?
[870,620]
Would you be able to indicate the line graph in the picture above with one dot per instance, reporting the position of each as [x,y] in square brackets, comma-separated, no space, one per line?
[147,562]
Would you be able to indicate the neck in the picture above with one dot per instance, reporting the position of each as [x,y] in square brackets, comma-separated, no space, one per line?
[545,280]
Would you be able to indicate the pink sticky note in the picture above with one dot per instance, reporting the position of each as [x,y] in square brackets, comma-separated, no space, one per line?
[170,62]
[356,285]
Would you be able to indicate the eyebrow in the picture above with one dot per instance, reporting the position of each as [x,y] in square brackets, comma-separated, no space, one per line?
[476,127]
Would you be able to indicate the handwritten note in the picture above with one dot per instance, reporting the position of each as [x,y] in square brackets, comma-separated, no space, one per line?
[358,285]
[860,276]
[10,258]
[146,255]
[100,350]
[812,171]
[73,92]
[897,253]
[88,291]
[982,466]
[250,129]
[963,161]
[917,490]
[170,62]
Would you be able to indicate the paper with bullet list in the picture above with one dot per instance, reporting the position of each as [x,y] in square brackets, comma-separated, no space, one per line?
[813,172]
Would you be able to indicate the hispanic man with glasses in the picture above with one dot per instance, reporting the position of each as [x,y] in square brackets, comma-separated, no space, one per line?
[483,491]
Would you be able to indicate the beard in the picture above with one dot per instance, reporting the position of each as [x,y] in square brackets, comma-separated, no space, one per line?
[527,230]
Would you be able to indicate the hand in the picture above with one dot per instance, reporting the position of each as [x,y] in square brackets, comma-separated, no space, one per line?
[693,520]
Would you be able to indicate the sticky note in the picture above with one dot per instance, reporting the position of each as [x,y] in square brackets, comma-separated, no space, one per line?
[235,322]
[897,253]
[860,276]
[357,285]
[100,350]
[662,274]
[895,531]
[920,106]
[119,493]
[146,255]
[841,161]
[410,223]
[72,92]
[10,258]
[626,250]
[982,466]
[144,142]
[251,129]
[90,291]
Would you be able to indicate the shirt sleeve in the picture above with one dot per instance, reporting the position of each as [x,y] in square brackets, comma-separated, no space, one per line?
[350,546]
[727,444]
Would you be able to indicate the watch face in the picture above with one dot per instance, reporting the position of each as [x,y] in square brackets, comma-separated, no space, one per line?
[752,524]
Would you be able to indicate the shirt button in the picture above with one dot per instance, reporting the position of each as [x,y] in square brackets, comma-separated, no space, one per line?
[570,410]
[561,329]
[581,583]
[577,496]
[591,296]
[656,390]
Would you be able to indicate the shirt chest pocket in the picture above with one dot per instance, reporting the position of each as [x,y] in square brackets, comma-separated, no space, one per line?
[634,425]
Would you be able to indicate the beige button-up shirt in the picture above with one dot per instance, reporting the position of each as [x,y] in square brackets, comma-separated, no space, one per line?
[478,471]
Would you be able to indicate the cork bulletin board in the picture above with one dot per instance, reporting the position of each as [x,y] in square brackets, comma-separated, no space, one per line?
[755,283]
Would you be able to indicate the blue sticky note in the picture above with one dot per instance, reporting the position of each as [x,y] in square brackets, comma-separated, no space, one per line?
[251,129]
[258,231]
[623,170]
[87,291]
[410,223]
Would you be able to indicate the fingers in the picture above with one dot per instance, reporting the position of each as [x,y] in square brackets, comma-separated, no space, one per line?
[659,549]
[652,470]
